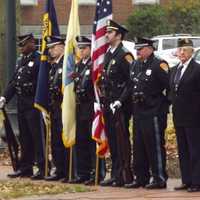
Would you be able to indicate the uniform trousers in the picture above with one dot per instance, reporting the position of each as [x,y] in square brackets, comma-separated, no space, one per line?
[60,154]
[189,149]
[31,139]
[112,141]
[117,129]
[149,148]
[85,149]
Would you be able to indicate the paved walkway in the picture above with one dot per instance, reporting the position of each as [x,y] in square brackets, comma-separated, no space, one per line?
[109,193]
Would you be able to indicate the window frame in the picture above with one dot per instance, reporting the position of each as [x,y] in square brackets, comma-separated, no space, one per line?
[28,2]
[87,2]
[145,2]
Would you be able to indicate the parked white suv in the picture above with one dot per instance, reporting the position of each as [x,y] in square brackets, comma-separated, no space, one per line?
[130,45]
[166,46]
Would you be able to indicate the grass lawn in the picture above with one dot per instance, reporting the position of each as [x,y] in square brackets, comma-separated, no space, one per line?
[22,188]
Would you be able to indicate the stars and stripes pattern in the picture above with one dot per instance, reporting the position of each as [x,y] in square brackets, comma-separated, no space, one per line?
[99,48]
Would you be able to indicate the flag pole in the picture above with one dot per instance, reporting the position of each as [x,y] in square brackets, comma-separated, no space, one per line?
[47,148]
[70,163]
[97,171]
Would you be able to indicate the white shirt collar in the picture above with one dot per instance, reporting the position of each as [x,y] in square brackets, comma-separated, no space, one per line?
[112,50]
[185,65]
[58,60]
[84,61]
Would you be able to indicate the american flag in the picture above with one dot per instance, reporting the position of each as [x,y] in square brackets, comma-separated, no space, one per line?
[99,48]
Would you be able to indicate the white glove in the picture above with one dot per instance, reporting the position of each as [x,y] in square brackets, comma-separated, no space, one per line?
[2,102]
[114,106]
[96,107]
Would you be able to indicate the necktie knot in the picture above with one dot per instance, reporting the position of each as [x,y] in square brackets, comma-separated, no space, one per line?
[180,67]
[177,77]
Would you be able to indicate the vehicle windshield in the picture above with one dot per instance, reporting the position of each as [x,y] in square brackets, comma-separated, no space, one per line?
[172,43]
[169,43]
[196,42]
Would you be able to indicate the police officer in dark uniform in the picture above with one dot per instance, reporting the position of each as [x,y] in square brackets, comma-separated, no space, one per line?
[150,81]
[23,84]
[185,97]
[55,45]
[85,146]
[113,84]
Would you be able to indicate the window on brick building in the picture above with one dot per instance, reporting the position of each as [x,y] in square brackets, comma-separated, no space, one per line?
[87,2]
[38,41]
[28,2]
[143,2]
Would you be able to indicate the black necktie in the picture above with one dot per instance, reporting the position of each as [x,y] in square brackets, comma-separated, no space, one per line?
[177,77]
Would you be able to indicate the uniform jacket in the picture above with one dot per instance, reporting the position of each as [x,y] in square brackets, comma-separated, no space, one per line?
[186,99]
[116,74]
[55,83]
[150,82]
[84,90]
[24,81]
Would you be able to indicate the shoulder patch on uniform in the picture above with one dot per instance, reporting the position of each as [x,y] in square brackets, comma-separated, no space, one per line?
[129,58]
[164,66]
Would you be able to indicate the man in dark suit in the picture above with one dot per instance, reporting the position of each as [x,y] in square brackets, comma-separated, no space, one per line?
[23,85]
[185,97]
[117,110]
[150,80]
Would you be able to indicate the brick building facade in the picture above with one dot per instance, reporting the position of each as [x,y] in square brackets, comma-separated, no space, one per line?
[31,15]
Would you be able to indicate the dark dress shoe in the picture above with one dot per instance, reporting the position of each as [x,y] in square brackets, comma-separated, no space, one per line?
[194,188]
[156,185]
[38,176]
[65,180]
[91,181]
[182,187]
[20,173]
[77,180]
[107,182]
[134,184]
[54,177]
[117,184]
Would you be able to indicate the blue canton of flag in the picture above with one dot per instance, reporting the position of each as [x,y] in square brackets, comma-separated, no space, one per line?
[103,11]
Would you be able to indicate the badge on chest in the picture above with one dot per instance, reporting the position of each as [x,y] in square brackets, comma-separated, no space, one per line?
[60,70]
[110,69]
[30,64]
[113,61]
[148,72]
[87,72]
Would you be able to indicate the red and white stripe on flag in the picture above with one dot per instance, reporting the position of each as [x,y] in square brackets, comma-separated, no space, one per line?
[99,48]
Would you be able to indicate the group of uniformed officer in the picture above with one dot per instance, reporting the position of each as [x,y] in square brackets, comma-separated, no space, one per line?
[142,88]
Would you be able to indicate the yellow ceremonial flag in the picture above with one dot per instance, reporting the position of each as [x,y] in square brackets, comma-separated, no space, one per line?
[2,118]
[69,104]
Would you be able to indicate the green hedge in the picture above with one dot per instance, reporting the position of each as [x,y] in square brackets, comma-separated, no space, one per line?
[180,16]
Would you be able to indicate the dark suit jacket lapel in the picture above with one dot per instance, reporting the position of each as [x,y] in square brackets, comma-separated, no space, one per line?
[187,72]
